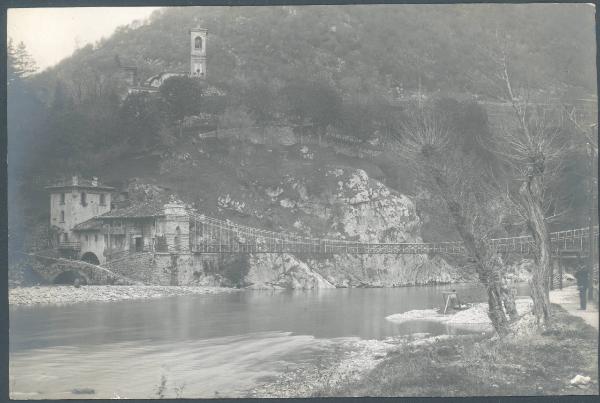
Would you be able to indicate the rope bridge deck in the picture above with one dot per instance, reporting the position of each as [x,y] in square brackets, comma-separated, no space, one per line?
[210,235]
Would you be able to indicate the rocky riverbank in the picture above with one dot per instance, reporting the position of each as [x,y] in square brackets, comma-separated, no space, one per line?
[561,360]
[345,361]
[101,293]
[348,361]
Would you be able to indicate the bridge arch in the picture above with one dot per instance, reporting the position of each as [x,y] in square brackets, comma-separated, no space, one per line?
[90,257]
[69,277]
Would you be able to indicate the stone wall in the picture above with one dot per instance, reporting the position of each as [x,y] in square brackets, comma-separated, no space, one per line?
[74,211]
[137,266]
[169,268]
[92,241]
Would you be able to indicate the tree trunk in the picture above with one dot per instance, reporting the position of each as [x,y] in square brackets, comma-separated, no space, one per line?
[495,311]
[478,250]
[508,300]
[507,297]
[531,195]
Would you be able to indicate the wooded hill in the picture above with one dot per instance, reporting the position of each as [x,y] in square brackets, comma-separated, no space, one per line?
[326,66]
[359,50]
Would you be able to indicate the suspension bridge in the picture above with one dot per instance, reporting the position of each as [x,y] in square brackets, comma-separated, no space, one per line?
[210,235]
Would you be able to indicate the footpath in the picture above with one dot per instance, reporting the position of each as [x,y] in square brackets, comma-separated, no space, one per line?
[568,298]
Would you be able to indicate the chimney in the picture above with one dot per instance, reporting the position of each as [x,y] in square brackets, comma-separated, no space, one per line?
[75,180]
[94,181]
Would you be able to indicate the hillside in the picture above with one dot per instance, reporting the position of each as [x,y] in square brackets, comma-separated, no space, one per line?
[359,50]
[295,79]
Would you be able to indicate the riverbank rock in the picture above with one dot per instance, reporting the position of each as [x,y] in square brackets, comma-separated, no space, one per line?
[357,208]
[580,380]
[283,271]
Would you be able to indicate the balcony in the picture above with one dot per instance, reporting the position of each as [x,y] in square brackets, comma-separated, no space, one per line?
[113,230]
[69,246]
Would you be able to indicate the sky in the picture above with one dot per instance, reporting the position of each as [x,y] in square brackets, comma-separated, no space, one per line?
[52,34]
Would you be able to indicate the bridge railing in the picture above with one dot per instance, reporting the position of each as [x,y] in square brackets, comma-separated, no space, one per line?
[223,236]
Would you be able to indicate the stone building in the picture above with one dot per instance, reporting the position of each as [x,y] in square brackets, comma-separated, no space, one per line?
[197,69]
[198,52]
[89,227]
[74,202]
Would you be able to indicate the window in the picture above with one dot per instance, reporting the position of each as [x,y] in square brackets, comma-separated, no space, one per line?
[65,237]
[102,199]
[95,237]
[198,43]
[177,239]
[83,199]
[62,216]
[62,198]
[87,238]
[106,239]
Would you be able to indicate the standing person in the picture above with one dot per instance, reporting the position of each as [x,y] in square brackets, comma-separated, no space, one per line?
[582,277]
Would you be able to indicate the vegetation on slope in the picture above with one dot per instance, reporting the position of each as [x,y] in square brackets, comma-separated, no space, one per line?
[319,67]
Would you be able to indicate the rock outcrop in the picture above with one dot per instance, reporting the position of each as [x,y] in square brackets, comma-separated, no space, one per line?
[364,210]
[283,271]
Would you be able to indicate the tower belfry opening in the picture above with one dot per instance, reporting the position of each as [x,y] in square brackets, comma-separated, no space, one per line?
[198,52]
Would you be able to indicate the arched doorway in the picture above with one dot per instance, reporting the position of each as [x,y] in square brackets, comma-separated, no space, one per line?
[69,277]
[90,258]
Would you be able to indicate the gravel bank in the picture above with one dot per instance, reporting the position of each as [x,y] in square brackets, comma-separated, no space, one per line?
[476,315]
[101,293]
[342,362]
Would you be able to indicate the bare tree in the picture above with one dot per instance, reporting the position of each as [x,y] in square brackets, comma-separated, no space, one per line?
[461,182]
[534,152]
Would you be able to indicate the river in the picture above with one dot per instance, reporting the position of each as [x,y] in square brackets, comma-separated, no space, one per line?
[204,345]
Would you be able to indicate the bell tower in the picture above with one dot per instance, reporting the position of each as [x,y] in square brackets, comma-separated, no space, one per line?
[198,52]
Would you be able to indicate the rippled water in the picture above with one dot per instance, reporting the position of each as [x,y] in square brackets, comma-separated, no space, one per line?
[209,345]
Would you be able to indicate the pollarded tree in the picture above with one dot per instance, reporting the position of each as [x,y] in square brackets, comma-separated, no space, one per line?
[533,147]
[462,181]
[534,155]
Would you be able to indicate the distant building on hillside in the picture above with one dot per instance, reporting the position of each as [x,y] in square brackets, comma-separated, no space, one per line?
[198,52]
[197,69]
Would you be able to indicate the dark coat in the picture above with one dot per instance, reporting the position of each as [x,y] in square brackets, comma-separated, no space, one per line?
[582,277]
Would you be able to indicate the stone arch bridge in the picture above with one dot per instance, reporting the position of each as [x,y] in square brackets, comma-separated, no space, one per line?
[59,270]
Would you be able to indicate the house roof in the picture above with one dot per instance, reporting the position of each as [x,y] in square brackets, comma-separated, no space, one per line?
[93,224]
[81,183]
[137,210]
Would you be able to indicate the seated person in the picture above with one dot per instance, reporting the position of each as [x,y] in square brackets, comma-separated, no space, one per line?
[452,302]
